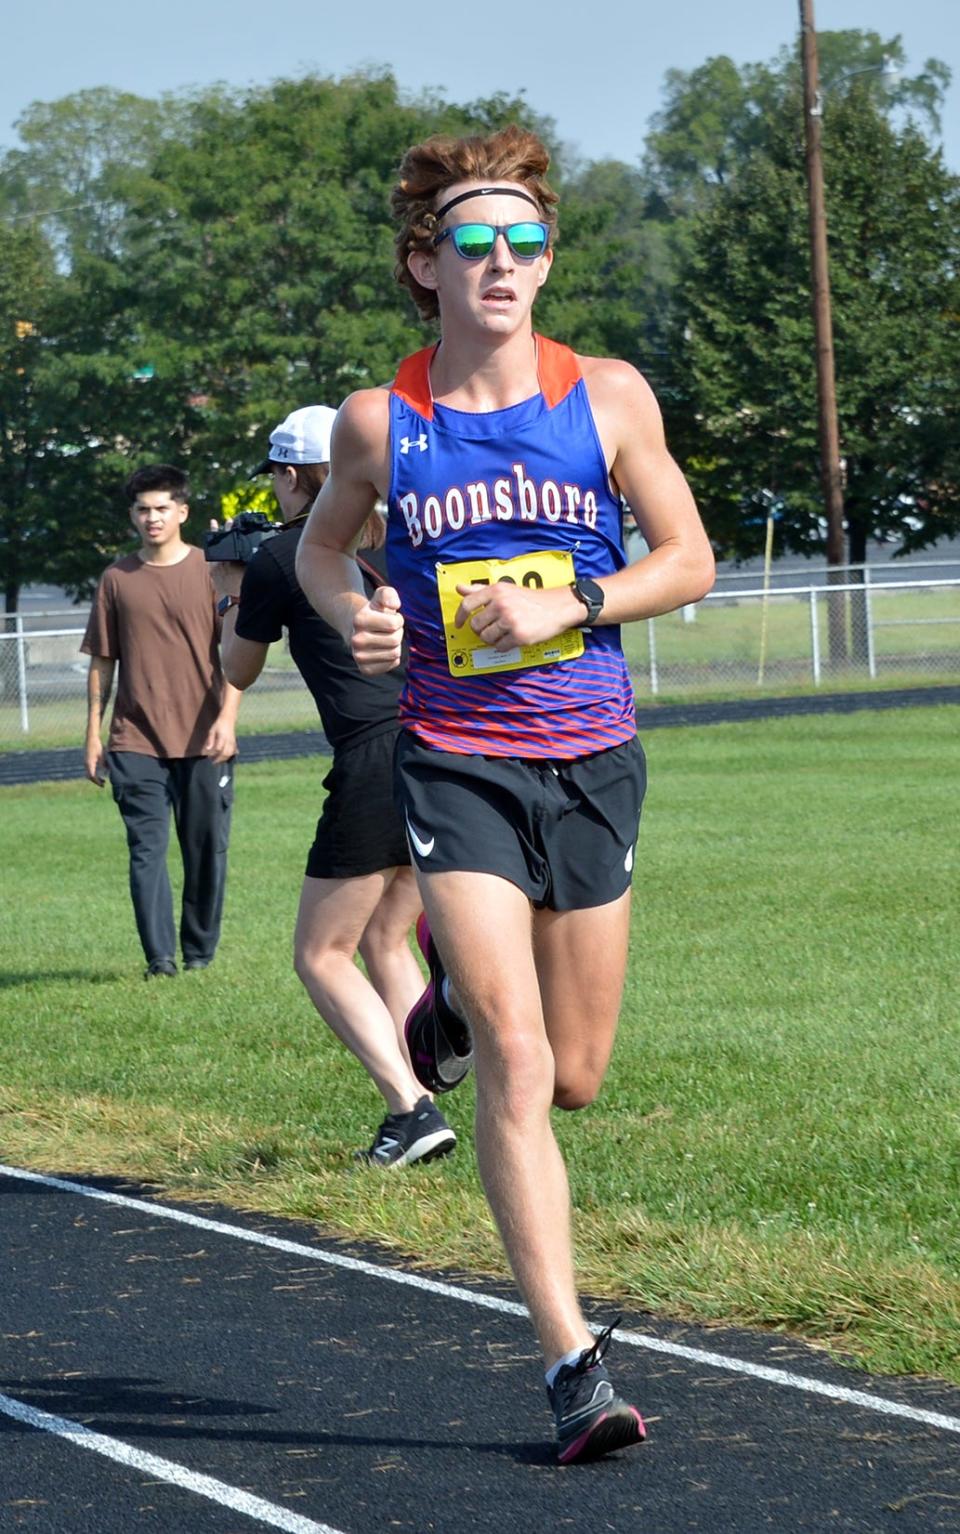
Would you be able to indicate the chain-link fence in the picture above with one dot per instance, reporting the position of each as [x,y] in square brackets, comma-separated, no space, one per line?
[882,626]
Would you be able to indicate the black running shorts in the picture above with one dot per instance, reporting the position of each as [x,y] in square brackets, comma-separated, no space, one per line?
[563,832]
[360,830]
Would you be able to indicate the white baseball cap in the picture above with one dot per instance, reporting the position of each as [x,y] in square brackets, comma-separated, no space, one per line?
[304,437]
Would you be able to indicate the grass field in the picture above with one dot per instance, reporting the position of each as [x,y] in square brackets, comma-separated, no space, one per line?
[778,1142]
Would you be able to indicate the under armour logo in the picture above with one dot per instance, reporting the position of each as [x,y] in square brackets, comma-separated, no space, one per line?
[406,443]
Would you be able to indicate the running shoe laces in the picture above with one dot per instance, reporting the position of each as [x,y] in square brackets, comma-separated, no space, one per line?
[591,1418]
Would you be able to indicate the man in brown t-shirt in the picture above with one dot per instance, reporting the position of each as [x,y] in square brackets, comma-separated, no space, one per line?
[172,738]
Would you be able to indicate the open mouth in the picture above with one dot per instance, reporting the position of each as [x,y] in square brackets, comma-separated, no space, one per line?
[498,296]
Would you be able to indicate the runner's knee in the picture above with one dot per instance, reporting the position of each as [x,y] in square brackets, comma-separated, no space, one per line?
[312,960]
[574,1093]
[578,1079]
[516,1068]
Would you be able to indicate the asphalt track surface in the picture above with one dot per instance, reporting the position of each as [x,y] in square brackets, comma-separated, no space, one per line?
[65,763]
[183,1368]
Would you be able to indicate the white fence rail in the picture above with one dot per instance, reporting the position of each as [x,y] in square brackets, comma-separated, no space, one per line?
[872,628]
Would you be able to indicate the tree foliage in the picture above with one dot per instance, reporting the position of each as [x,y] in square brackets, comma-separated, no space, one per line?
[176,275]
[725,180]
[202,266]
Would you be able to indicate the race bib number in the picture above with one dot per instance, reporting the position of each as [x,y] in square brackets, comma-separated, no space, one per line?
[467,654]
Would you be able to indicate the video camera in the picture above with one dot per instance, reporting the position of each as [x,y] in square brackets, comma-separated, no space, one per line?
[241,539]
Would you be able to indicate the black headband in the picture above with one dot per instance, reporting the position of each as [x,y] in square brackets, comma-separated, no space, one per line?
[487,191]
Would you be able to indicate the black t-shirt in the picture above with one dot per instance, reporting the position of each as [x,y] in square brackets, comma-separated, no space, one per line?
[352,706]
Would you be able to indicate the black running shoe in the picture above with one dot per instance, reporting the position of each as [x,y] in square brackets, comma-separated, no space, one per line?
[421,1135]
[438,1039]
[592,1420]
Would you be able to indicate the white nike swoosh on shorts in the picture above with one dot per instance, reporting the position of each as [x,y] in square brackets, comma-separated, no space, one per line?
[423,848]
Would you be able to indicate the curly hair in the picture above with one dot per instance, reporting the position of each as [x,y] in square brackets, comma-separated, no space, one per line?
[512,154]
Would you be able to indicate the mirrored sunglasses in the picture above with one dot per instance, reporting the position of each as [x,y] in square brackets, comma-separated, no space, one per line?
[474,241]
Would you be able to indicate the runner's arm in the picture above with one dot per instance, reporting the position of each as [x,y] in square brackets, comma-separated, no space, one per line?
[680,566]
[329,577]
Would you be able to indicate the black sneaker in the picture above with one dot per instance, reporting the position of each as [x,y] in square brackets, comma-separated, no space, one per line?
[421,1135]
[592,1420]
[438,1039]
[157,967]
[198,963]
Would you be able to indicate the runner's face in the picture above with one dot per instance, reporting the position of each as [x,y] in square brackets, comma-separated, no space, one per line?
[158,518]
[495,292]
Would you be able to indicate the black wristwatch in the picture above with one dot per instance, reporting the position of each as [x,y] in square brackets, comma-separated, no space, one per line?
[592,597]
[225,603]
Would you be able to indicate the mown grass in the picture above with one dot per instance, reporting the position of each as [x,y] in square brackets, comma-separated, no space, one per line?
[778,1141]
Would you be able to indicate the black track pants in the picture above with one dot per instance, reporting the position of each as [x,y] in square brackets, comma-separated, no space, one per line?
[200,794]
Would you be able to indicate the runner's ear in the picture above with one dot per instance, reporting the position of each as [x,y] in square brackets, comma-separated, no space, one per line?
[543,271]
[422,265]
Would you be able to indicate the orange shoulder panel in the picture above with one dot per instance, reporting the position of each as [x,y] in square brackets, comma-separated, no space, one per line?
[558,370]
[412,382]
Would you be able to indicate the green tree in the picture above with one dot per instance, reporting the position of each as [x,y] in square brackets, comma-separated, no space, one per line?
[217,259]
[257,256]
[716,117]
[745,350]
[724,172]
[606,284]
[63,176]
[60,380]
[66,350]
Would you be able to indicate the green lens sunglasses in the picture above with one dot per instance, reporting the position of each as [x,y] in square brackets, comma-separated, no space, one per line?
[474,241]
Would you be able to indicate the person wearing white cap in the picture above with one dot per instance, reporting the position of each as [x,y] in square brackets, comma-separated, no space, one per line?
[359,893]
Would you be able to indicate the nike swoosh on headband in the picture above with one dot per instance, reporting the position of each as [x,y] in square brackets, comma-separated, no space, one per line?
[487,191]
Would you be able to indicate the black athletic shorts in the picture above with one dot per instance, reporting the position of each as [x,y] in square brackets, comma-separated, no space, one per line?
[563,832]
[360,830]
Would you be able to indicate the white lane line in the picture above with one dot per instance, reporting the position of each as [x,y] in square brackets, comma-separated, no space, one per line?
[731,1365]
[164,1470]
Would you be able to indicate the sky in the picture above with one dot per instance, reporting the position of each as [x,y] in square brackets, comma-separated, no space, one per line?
[596,66]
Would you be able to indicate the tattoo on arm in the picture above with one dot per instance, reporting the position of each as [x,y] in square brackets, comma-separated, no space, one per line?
[99,688]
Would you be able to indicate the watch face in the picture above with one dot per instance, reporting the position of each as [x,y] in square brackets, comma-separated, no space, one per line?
[591,594]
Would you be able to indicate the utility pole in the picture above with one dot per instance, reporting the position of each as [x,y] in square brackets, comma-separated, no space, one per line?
[831,476]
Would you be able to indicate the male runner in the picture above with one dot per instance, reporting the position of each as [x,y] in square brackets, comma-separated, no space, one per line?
[518,766]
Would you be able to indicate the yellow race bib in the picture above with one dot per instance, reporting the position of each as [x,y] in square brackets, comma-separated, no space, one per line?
[467,654]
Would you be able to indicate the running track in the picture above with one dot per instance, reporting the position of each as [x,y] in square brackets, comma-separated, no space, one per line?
[185,1368]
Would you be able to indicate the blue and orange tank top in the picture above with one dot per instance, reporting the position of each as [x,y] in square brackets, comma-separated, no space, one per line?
[465,486]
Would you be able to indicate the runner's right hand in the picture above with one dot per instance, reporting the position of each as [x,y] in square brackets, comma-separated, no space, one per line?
[377,641]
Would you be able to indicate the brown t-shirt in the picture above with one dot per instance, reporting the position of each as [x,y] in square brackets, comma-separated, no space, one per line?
[160,623]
